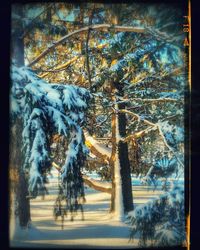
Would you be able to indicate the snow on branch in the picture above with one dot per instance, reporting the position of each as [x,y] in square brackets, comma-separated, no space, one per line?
[157,100]
[161,220]
[153,126]
[140,133]
[97,185]
[98,149]
[167,145]
[151,100]
[46,109]
[104,27]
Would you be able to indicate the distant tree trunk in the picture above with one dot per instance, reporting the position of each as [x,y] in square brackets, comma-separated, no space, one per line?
[49,15]
[17,41]
[112,160]
[13,180]
[16,156]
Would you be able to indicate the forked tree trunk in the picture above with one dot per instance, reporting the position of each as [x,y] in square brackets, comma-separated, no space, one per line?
[121,147]
[119,157]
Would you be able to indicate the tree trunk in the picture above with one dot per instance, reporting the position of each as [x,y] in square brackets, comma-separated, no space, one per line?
[117,205]
[23,201]
[18,179]
[16,156]
[121,151]
[125,164]
[121,196]
[122,147]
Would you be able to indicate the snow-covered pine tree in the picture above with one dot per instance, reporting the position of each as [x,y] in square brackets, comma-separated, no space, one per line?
[160,222]
[147,67]
[48,109]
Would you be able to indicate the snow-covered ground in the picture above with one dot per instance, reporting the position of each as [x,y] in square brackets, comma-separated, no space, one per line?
[97,230]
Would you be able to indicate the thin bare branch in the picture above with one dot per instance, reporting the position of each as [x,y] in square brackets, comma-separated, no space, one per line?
[157,100]
[137,116]
[153,100]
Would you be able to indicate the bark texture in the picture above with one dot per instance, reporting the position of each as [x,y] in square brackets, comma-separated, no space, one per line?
[123,155]
[19,184]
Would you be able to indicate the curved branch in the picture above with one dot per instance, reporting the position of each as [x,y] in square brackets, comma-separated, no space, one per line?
[105,27]
[56,166]
[97,151]
[97,185]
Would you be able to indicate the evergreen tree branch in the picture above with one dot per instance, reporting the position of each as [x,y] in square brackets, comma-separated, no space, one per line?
[155,125]
[100,124]
[163,36]
[167,145]
[159,75]
[60,67]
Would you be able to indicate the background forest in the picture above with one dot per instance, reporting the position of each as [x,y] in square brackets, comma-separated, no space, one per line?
[99,93]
